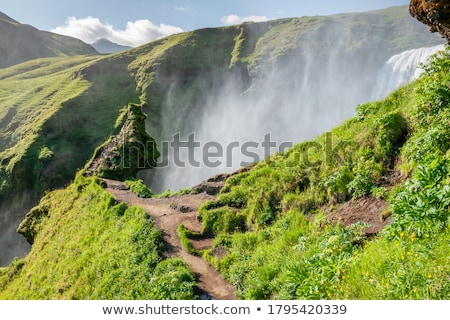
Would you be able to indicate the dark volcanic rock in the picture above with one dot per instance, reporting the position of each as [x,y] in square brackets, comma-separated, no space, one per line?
[30,224]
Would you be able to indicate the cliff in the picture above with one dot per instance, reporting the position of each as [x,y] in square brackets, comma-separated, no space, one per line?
[434,13]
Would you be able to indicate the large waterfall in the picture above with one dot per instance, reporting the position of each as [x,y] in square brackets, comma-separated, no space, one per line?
[292,103]
[401,69]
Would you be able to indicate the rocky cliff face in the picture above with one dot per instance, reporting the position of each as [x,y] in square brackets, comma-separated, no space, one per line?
[433,13]
[124,154]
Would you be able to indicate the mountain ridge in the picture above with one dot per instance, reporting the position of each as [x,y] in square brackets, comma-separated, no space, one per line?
[349,214]
[22,42]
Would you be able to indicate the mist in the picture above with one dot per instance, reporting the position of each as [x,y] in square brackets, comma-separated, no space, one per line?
[13,244]
[289,100]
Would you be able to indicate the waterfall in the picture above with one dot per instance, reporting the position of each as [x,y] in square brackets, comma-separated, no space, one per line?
[291,101]
[401,69]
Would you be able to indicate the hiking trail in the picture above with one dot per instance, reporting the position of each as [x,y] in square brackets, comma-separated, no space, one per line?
[168,214]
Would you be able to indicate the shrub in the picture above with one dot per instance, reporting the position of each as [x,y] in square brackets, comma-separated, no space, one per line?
[421,207]
[139,188]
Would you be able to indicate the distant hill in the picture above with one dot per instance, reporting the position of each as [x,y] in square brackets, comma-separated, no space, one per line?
[20,42]
[106,46]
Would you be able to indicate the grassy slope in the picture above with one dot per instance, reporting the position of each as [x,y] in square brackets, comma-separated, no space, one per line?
[271,222]
[109,251]
[68,105]
[21,42]
[97,89]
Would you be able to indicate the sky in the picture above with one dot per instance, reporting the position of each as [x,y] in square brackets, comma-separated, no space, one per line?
[135,22]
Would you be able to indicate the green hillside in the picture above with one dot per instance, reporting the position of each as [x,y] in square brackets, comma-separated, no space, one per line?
[21,42]
[272,223]
[94,248]
[275,224]
[69,105]
[275,221]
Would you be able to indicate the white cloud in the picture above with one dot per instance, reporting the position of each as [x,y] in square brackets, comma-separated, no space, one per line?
[136,33]
[235,19]
[183,9]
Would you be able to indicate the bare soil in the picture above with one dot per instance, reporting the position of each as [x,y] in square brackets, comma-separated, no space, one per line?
[168,214]
[366,209]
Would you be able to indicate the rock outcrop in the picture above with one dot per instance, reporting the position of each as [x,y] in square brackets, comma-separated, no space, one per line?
[434,13]
[29,226]
[124,154]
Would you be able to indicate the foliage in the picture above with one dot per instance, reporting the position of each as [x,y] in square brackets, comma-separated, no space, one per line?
[91,247]
[269,220]
[184,235]
[421,206]
[139,188]
[297,254]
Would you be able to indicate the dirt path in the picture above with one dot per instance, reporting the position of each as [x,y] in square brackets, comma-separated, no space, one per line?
[168,214]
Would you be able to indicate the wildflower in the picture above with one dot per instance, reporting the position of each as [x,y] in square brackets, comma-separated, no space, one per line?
[429,276]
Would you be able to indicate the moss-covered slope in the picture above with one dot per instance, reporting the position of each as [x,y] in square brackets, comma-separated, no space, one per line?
[55,112]
[272,224]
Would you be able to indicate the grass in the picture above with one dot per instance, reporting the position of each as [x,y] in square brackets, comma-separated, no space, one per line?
[70,105]
[55,112]
[139,188]
[91,247]
[278,241]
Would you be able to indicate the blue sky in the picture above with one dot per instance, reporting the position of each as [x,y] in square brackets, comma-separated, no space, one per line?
[134,22]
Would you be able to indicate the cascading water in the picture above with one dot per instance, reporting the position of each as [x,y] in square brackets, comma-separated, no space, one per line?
[401,69]
[294,102]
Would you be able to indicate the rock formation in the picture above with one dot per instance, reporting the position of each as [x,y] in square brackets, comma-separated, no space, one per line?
[124,154]
[434,13]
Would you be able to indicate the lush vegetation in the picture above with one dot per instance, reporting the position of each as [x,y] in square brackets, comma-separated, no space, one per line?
[271,220]
[89,246]
[139,188]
